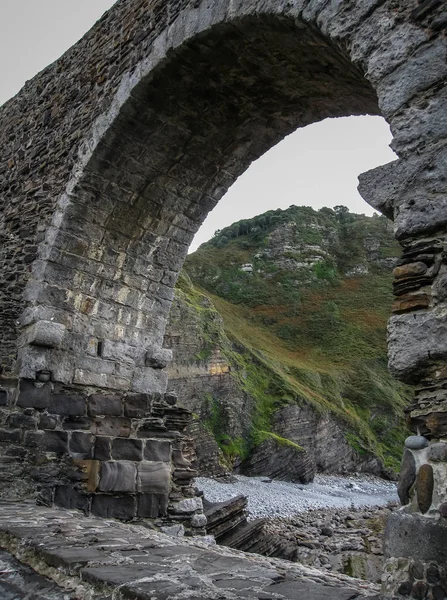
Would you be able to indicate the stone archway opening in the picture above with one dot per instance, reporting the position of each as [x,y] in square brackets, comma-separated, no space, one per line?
[186,133]
[275,312]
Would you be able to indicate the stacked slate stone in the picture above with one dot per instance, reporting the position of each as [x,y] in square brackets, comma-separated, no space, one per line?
[110,455]
[420,284]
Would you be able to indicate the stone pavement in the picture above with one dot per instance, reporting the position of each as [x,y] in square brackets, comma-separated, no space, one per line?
[93,558]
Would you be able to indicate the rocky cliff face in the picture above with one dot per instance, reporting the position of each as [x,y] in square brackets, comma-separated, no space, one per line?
[280,353]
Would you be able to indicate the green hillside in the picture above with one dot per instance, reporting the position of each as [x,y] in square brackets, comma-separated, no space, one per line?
[304,296]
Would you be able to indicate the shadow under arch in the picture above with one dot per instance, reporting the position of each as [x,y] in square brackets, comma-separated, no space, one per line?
[185,133]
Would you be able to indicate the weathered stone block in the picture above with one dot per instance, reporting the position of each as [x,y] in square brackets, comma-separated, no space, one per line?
[100,380]
[415,341]
[81,444]
[102,449]
[21,421]
[407,477]
[149,379]
[118,477]
[47,441]
[47,422]
[3,398]
[68,497]
[424,487]
[34,395]
[188,505]
[410,535]
[158,358]
[114,507]
[137,406]
[154,478]
[170,398]
[198,521]
[104,405]
[151,506]
[90,473]
[67,405]
[45,333]
[77,423]
[10,436]
[111,426]
[438,452]
[410,270]
[157,451]
[127,449]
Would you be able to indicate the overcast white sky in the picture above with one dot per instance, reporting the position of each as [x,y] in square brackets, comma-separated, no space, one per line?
[316,166]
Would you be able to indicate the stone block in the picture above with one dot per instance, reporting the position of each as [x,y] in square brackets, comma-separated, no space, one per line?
[171,398]
[100,380]
[147,379]
[67,405]
[68,497]
[77,423]
[137,406]
[409,535]
[127,449]
[118,477]
[407,477]
[21,421]
[89,470]
[415,342]
[10,436]
[47,441]
[424,487]
[34,395]
[158,358]
[157,451]
[198,521]
[111,426]
[102,448]
[47,422]
[188,505]
[154,477]
[152,506]
[81,444]
[438,452]
[104,405]
[3,398]
[45,333]
[114,507]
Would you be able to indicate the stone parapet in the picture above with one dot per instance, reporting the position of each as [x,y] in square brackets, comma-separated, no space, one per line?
[102,558]
[124,456]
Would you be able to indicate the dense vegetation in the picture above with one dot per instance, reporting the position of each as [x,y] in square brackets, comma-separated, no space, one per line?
[304,296]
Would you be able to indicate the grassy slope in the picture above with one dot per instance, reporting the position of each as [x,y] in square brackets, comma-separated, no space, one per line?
[319,340]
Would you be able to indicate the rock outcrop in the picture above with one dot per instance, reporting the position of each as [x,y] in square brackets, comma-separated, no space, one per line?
[283,363]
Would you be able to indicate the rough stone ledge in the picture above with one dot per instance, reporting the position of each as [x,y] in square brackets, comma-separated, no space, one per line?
[99,558]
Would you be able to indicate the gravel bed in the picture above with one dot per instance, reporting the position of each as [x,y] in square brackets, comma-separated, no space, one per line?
[273,498]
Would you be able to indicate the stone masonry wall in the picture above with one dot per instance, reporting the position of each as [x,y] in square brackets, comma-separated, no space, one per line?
[111,158]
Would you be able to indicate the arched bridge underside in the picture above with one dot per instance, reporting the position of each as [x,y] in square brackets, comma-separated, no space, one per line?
[110,160]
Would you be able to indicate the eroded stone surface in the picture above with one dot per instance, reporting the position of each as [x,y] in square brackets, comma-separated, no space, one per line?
[81,553]
[424,487]
[407,477]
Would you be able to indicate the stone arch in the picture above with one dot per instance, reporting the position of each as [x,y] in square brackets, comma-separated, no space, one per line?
[113,156]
